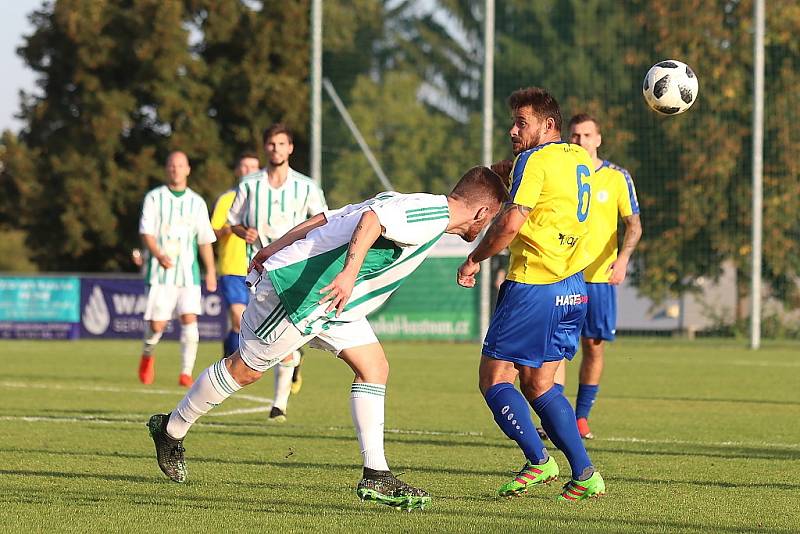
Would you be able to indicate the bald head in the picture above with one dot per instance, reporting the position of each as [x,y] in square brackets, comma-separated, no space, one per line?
[178,170]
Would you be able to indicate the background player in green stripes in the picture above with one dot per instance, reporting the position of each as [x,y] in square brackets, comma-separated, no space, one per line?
[175,227]
[316,285]
[268,204]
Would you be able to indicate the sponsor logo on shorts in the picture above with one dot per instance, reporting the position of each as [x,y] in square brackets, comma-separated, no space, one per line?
[571,300]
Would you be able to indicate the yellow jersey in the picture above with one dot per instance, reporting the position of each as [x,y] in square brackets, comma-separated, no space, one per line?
[231,249]
[613,192]
[556,181]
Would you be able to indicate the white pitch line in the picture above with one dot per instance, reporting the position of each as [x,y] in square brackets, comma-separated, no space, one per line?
[137,419]
[111,389]
[240,411]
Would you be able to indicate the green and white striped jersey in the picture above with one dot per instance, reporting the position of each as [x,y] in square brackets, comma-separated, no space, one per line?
[271,211]
[412,224]
[179,224]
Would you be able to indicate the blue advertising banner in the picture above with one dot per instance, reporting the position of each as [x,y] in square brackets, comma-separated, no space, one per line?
[39,307]
[114,308]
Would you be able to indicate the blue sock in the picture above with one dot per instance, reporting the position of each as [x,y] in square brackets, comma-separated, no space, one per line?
[231,343]
[513,416]
[559,387]
[558,420]
[585,400]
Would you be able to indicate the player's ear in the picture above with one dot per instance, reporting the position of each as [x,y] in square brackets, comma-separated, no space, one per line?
[291,148]
[482,213]
[599,140]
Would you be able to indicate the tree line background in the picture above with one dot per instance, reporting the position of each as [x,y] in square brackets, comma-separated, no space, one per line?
[122,83]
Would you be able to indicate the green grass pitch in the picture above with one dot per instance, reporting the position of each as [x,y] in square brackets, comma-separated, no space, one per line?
[692,436]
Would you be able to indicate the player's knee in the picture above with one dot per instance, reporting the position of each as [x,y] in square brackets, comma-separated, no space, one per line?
[292,360]
[240,372]
[190,333]
[151,335]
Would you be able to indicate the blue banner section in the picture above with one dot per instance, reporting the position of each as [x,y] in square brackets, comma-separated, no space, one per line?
[114,308]
[39,299]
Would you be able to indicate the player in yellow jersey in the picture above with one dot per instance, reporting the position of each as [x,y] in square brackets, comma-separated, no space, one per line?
[614,193]
[542,304]
[232,254]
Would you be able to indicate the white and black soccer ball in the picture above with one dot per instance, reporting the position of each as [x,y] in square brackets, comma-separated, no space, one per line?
[670,87]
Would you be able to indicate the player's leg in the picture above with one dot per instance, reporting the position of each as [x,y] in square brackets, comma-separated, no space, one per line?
[231,343]
[599,326]
[267,336]
[511,336]
[161,302]
[356,344]
[236,296]
[297,376]
[189,341]
[283,386]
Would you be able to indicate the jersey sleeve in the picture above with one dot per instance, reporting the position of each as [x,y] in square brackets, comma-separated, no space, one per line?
[316,202]
[527,179]
[412,219]
[627,202]
[219,218]
[148,223]
[238,209]
[205,234]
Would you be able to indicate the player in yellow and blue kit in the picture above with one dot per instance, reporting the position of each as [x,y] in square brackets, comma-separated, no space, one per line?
[614,193]
[548,228]
[232,254]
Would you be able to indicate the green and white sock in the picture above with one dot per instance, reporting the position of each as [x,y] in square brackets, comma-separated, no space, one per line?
[366,406]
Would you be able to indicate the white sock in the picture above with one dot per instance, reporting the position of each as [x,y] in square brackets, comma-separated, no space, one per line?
[283,385]
[213,386]
[150,340]
[190,338]
[366,406]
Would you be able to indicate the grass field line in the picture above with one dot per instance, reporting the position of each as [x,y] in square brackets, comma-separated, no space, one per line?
[137,419]
[111,389]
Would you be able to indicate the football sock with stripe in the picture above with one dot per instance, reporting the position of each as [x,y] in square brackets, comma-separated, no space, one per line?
[231,343]
[211,388]
[283,385]
[513,416]
[585,399]
[190,338]
[366,407]
[558,420]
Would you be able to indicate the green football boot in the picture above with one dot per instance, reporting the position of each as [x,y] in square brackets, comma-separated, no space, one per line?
[169,451]
[577,490]
[384,488]
[530,475]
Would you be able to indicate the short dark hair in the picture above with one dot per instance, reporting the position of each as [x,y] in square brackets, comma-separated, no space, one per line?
[275,129]
[583,117]
[543,104]
[503,169]
[480,185]
[247,154]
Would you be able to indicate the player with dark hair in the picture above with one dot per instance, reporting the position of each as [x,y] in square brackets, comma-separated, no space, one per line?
[542,304]
[316,285]
[613,193]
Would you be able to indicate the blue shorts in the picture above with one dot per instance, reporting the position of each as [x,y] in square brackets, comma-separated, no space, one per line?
[234,291]
[601,315]
[533,324]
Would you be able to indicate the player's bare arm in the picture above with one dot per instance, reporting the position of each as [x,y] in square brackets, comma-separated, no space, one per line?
[499,235]
[222,232]
[150,244]
[298,232]
[206,253]
[364,236]
[633,233]
[248,234]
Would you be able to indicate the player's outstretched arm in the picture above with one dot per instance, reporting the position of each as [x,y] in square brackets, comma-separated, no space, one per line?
[367,231]
[633,233]
[298,232]
[499,235]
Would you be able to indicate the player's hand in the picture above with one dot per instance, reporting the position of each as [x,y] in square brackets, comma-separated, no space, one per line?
[618,271]
[250,235]
[164,260]
[258,260]
[466,273]
[211,282]
[338,292]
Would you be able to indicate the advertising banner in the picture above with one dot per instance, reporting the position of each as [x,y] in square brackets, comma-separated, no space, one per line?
[114,308]
[430,305]
[39,307]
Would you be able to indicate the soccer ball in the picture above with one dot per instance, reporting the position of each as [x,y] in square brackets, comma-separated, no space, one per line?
[670,87]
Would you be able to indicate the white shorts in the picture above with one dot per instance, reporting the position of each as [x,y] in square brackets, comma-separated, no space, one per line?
[168,302]
[267,335]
